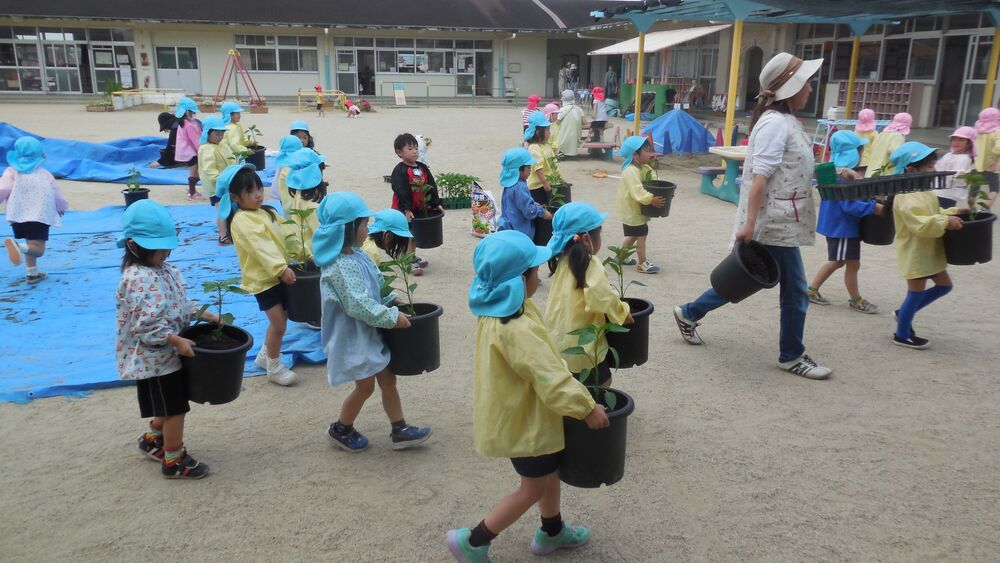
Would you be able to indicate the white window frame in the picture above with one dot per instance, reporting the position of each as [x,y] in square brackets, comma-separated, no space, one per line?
[271,43]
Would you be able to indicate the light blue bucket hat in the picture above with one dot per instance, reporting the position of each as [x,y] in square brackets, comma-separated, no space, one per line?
[211,123]
[299,125]
[335,211]
[500,259]
[150,225]
[184,105]
[629,147]
[570,220]
[512,162]
[26,155]
[222,187]
[908,153]
[844,148]
[305,178]
[228,109]
[288,146]
[535,120]
[390,220]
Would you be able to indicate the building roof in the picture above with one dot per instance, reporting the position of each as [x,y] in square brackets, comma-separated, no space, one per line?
[506,15]
[659,40]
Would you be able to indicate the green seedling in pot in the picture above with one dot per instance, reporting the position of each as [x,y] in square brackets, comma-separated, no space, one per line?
[455,185]
[589,376]
[252,133]
[979,193]
[399,270]
[620,255]
[554,177]
[219,289]
[132,183]
[295,242]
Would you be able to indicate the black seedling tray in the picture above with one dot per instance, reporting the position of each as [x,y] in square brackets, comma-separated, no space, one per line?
[868,188]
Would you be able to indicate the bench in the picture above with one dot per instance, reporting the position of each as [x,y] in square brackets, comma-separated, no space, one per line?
[599,150]
[708,174]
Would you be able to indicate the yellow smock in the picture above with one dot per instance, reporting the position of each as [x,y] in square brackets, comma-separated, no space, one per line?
[867,151]
[631,195]
[920,224]
[212,160]
[881,148]
[542,152]
[988,152]
[260,246]
[570,308]
[372,250]
[234,138]
[280,183]
[554,137]
[522,388]
[312,222]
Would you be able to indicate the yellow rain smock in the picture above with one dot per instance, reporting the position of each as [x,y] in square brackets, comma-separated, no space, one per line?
[212,160]
[631,195]
[234,138]
[260,246]
[881,148]
[542,152]
[920,224]
[988,152]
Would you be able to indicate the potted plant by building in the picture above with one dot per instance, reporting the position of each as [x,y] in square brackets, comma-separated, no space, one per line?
[596,457]
[660,188]
[106,103]
[304,302]
[427,225]
[973,243]
[748,269]
[631,344]
[134,191]
[543,227]
[215,372]
[456,189]
[255,151]
[416,349]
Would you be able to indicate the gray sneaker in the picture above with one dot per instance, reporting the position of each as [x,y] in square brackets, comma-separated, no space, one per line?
[815,297]
[863,306]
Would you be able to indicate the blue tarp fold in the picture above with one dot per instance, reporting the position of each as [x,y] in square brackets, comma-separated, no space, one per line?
[677,132]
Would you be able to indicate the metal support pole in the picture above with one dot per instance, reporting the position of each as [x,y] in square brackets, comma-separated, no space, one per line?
[638,79]
[734,81]
[855,55]
[991,72]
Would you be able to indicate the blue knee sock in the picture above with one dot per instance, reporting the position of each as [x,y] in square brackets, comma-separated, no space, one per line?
[933,294]
[906,312]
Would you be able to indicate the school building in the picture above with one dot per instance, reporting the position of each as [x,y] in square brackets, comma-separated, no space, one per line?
[934,67]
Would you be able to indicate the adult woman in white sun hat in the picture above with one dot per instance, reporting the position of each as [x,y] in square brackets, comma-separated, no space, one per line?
[776,206]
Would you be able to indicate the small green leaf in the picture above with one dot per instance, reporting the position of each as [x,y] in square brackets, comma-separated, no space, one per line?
[201,312]
[587,338]
[614,356]
[238,290]
[611,327]
[228,318]
[575,351]
[611,400]
[583,375]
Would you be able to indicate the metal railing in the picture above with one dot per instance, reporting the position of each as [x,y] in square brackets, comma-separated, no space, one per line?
[446,91]
[311,93]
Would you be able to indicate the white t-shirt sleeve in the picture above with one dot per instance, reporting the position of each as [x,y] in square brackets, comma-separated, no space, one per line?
[770,136]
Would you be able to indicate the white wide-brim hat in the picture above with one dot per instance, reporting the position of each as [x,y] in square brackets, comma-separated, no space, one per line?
[778,66]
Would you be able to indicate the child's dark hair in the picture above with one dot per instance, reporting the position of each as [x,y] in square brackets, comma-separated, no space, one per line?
[245,180]
[314,195]
[349,233]
[404,140]
[578,259]
[520,310]
[928,160]
[539,135]
[396,245]
[310,144]
[135,254]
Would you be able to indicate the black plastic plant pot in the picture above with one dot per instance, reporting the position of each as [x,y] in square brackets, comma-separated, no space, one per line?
[543,230]
[132,196]
[565,189]
[215,376]
[748,269]
[879,230]
[973,243]
[663,189]
[428,231]
[596,457]
[417,349]
[539,196]
[303,301]
[632,346]
[256,157]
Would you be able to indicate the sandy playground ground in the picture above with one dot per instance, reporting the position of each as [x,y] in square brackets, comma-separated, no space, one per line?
[895,458]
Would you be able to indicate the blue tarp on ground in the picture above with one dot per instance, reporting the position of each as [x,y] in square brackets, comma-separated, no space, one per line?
[676,131]
[105,162]
[58,337]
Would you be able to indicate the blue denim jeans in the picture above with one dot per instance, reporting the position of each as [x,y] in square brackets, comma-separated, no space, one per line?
[794,302]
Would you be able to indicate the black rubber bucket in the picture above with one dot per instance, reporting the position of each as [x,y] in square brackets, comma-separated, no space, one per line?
[632,346]
[132,196]
[660,188]
[973,243]
[256,157]
[539,196]
[748,269]
[417,349]
[428,232]
[596,457]
[215,376]
[303,301]
[879,230]
[543,231]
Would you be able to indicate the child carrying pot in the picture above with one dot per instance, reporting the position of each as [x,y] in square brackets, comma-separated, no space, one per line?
[234,137]
[840,223]
[259,237]
[888,141]
[152,309]
[34,204]
[537,135]
[581,293]
[188,140]
[920,224]
[389,232]
[522,392]
[289,145]
[960,161]
[353,313]
[518,210]
[409,180]
[213,158]
[306,189]
[637,152]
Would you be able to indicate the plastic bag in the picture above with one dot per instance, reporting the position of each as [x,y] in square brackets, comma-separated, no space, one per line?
[484,212]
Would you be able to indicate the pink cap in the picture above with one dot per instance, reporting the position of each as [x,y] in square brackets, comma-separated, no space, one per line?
[989,121]
[866,121]
[318,88]
[900,123]
[969,133]
[533,101]
[549,109]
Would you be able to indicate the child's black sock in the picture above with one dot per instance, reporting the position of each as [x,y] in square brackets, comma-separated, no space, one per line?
[399,425]
[481,535]
[552,525]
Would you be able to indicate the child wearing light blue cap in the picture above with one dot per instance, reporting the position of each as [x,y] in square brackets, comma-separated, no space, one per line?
[522,392]
[518,210]
[353,313]
[300,129]
[259,236]
[840,223]
[637,152]
[152,309]
[289,145]
[581,292]
[536,135]
[188,140]
[305,189]
[234,137]
[390,232]
[213,157]
[920,224]
[34,204]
